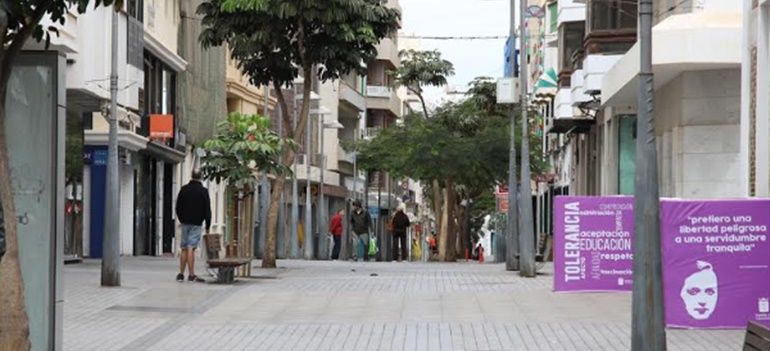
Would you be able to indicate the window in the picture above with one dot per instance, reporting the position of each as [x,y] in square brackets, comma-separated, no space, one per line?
[611,15]
[553,15]
[136,9]
[570,41]
[159,90]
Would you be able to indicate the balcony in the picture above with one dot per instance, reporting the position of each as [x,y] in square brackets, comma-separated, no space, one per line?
[565,121]
[345,156]
[352,96]
[387,50]
[570,11]
[595,67]
[577,91]
[371,133]
[383,98]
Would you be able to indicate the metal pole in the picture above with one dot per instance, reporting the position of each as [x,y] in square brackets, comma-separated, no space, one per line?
[294,192]
[379,216]
[308,247]
[280,242]
[111,244]
[512,231]
[322,240]
[648,328]
[264,194]
[526,226]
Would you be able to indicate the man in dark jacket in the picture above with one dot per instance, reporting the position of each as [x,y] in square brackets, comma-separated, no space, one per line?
[193,207]
[400,225]
[361,223]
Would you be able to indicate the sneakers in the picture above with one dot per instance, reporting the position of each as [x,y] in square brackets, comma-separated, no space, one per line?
[195,279]
[180,277]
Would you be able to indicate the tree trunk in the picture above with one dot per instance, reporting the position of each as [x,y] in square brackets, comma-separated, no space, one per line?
[437,203]
[447,236]
[268,256]
[14,326]
[443,237]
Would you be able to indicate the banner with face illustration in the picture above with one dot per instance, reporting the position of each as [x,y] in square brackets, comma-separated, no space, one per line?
[593,239]
[716,262]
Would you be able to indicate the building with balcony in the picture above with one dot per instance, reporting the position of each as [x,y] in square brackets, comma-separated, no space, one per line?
[696,62]
[755,99]
[593,127]
[171,95]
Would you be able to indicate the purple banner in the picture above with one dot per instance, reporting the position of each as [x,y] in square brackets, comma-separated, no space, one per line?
[593,243]
[716,262]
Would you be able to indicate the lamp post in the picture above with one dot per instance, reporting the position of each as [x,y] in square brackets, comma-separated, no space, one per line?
[323,249]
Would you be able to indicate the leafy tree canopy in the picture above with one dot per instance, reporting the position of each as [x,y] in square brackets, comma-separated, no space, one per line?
[467,142]
[273,39]
[243,146]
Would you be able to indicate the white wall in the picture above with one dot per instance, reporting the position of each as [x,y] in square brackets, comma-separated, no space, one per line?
[126,210]
[570,11]
[698,128]
[91,68]
[330,98]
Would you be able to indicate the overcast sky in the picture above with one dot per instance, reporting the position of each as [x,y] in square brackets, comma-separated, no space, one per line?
[471,58]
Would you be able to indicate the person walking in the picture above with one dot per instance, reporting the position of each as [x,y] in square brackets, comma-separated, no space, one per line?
[400,225]
[361,224]
[335,229]
[193,208]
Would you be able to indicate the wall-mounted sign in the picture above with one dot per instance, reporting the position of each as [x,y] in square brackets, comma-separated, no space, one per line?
[161,127]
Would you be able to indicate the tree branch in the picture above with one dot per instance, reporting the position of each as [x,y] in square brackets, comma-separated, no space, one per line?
[285,108]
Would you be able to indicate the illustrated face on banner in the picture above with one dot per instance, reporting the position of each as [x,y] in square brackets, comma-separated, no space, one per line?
[700,292]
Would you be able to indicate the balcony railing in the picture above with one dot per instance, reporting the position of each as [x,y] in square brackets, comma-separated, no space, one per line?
[378,91]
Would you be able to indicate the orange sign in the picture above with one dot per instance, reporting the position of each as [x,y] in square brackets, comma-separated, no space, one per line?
[161,127]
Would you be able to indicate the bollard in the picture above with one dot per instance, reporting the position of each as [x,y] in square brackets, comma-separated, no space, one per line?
[467,255]
[481,254]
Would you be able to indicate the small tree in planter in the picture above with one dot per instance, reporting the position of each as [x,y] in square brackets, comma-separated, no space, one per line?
[243,147]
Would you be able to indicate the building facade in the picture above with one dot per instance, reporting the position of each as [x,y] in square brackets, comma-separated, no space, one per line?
[163,75]
[697,101]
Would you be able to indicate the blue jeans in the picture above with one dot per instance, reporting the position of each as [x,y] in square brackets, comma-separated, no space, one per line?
[191,236]
[361,246]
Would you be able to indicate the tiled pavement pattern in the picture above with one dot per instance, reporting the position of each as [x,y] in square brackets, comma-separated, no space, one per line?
[350,306]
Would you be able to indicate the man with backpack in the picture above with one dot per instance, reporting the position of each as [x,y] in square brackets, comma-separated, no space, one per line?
[361,223]
[400,223]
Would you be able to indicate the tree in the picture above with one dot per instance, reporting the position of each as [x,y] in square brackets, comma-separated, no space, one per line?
[243,147]
[277,41]
[20,22]
[420,69]
[463,147]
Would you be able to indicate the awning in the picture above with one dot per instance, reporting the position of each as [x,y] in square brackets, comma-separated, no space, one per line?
[549,79]
[579,125]
[164,152]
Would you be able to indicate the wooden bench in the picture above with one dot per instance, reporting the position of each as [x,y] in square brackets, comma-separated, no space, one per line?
[225,266]
[757,338]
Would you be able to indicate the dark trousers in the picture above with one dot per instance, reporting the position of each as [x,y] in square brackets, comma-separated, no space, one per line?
[400,239]
[337,244]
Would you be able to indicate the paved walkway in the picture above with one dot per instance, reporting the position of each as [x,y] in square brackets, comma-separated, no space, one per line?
[349,306]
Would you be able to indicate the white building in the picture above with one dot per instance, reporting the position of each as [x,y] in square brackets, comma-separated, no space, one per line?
[696,61]
[755,98]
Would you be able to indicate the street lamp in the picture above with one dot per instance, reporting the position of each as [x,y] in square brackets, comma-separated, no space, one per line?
[308,246]
[323,248]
